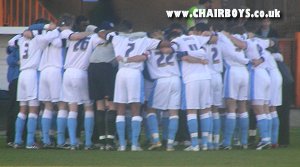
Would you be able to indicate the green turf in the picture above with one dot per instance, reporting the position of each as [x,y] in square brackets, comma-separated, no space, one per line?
[282,157]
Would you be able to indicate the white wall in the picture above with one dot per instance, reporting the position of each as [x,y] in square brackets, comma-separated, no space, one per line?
[6,33]
[3,65]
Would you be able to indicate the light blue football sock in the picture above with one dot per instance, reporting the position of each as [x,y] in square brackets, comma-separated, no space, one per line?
[72,125]
[61,126]
[153,127]
[136,129]
[88,127]
[230,123]
[262,125]
[216,128]
[275,127]
[244,127]
[269,118]
[120,125]
[206,124]
[46,126]
[31,128]
[20,123]
[172,129]
[193,129]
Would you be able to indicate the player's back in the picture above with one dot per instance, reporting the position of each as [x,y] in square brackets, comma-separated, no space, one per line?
[193,46]
[162,65]
[232,55]
[215,59]
[30,53]
[52,55]
[256,49]
[79,52]
[128,47]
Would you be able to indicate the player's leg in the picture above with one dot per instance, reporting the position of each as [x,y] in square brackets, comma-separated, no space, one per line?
[269,118]
[152,124]
[205,113]
[135,126]
[111,113]
[120,125]
[121,99]
[45,95]
[100,123]
[111,125]
[62,117]
[275,100]
[260,92]
[32,124]
[31,89]
[231,86]
[96,80]
[243,122]
[173,106]
[88,124]
[275,126]
[22,115]
[154,101]
[192,96]
[72,124]
[135,94]
[20,124]
[172,128]
[216,127]
[230,122]
[46,123]
[261,118]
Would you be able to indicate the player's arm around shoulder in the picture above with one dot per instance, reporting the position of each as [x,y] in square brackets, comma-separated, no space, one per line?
[239,43]
[191,59]
[133,59]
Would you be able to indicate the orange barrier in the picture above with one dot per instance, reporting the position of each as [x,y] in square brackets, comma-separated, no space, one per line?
[1,13]
[22,12]
[297,69]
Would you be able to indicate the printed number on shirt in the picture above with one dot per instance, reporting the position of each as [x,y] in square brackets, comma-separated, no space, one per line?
[214,55]
[259,48]
[193,47]
[82,44]
[25,54]
[130,49]
[163,60]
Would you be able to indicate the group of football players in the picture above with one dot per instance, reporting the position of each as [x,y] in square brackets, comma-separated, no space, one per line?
[217,73]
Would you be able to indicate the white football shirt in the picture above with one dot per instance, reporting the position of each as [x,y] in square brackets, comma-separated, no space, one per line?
[193,46]
[162,65]
[232,55]
[128,47]
[80,51]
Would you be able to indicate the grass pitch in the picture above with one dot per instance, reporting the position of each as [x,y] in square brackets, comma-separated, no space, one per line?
[282,157]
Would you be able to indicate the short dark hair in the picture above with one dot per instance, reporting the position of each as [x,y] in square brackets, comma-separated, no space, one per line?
[66,20]
[170,36]
[176,26]
[41,21]
[237,30]
[125,26]
[217,25]
[80,19]
[202,27]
